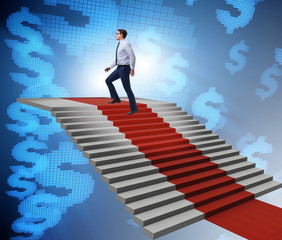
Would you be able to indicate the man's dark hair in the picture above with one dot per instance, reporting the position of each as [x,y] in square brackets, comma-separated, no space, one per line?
[123,32]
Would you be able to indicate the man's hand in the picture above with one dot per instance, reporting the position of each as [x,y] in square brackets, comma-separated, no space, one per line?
[107,69]
[132,73]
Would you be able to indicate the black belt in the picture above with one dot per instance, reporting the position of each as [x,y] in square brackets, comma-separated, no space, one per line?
[123,65]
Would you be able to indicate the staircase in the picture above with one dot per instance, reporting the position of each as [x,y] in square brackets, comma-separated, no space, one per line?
[166,168]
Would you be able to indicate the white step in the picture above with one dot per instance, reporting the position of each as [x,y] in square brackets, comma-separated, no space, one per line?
[195,132]
[163,212]
[238,167]
[137,182]
[204,137]
[81,119]
[91,131]
[222,154]
[265,188]
[165,109]
[98,161]
[177,118]
[251,172]
[76,113]
[230,160]
[94,124]
[189,127]
[104,144]
[173,223]
[129,174]
[120,166]
[98,137]
[154,202]
[110,151]
[207,143]
[174,113]
[255,181]
[183,123]
[145,192]
[216,148]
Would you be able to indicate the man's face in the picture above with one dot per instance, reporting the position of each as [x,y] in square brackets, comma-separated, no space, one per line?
[118,36]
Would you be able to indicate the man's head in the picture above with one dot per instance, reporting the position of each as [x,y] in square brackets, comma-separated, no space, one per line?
[121,34]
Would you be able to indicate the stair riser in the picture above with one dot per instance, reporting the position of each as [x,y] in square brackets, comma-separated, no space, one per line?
[129,176]
[175,113]
[154,205]
[123,111]
[94,162]
[183,123]
[81,119]
[77,113]
[97,139]
[104,145]
[88,125]
[203,137]
[91,132]
[161,217]
[240,169]
[171,119]
[202,145]
[218,149]
[225,155]
[227,163]
[135,186]
[173,228]
[270,178]
[189,127]
[144,195]
[191,134]
[248,175]
[109,153]
[121,168]
[165,109]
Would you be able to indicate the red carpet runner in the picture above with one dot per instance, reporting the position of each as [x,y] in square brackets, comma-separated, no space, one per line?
[202,182]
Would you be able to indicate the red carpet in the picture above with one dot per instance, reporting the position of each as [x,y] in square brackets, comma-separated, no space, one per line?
[223,201]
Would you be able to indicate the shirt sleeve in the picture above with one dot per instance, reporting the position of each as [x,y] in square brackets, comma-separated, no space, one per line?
[131,55]
[112,65]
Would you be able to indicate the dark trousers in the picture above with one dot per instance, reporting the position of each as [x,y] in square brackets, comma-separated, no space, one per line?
[121,72]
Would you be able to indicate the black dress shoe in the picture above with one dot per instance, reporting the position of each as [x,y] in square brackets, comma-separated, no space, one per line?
[116,100]
[132,111]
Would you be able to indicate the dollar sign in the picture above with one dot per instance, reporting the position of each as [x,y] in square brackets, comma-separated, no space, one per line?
[247,9]
[190,2]
[278,55]
[213,115]
[269,81]
[238,57]
[254,147]
[177,78]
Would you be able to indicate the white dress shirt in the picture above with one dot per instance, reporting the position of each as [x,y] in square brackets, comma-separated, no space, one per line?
[125,55]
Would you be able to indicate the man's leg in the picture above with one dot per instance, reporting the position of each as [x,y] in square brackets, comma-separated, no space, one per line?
[109,81]
[124,75]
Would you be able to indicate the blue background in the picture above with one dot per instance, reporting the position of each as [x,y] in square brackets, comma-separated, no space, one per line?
[219,60]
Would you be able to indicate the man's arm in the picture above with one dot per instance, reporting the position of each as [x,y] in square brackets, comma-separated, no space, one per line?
[131,55]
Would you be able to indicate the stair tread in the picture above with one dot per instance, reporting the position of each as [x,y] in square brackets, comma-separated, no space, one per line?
[107,149]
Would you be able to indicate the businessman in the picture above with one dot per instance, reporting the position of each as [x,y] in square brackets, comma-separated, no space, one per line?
[125,61]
